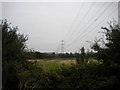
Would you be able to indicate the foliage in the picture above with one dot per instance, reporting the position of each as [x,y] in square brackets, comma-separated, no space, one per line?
[89,77]
[13,45]
[110,54]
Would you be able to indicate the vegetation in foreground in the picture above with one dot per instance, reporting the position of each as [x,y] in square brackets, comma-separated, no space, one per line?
[19,74]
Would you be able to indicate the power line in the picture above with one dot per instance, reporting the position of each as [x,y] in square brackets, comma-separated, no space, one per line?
[74,20]
[100,22]
[91,24]
[57,49]
[90,20]
[60,48]
[82,19]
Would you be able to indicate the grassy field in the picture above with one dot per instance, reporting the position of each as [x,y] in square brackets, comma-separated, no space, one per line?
[53,64]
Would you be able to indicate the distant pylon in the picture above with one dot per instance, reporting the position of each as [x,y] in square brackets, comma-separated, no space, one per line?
[62,46]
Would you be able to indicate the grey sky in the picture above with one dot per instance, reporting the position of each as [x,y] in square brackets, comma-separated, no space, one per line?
[0,10]
[47,23]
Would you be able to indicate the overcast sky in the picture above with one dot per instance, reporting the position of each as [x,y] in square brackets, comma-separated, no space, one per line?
[47,23]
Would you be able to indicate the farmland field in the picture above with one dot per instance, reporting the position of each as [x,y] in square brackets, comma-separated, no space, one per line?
[52,64]
[47,64]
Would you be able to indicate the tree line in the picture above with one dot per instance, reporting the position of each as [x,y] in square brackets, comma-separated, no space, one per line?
[53,55]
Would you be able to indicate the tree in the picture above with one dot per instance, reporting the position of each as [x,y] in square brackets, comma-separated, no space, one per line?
[80,57]
[77,58]
[13,44]
[13,48]
[110,54]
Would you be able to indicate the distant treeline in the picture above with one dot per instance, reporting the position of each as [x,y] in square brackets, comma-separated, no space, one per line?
[40,55]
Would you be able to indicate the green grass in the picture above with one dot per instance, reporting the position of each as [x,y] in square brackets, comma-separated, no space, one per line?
[54,64]
[48,65]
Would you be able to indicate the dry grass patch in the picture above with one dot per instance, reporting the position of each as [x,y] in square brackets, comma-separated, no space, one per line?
[68,62]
